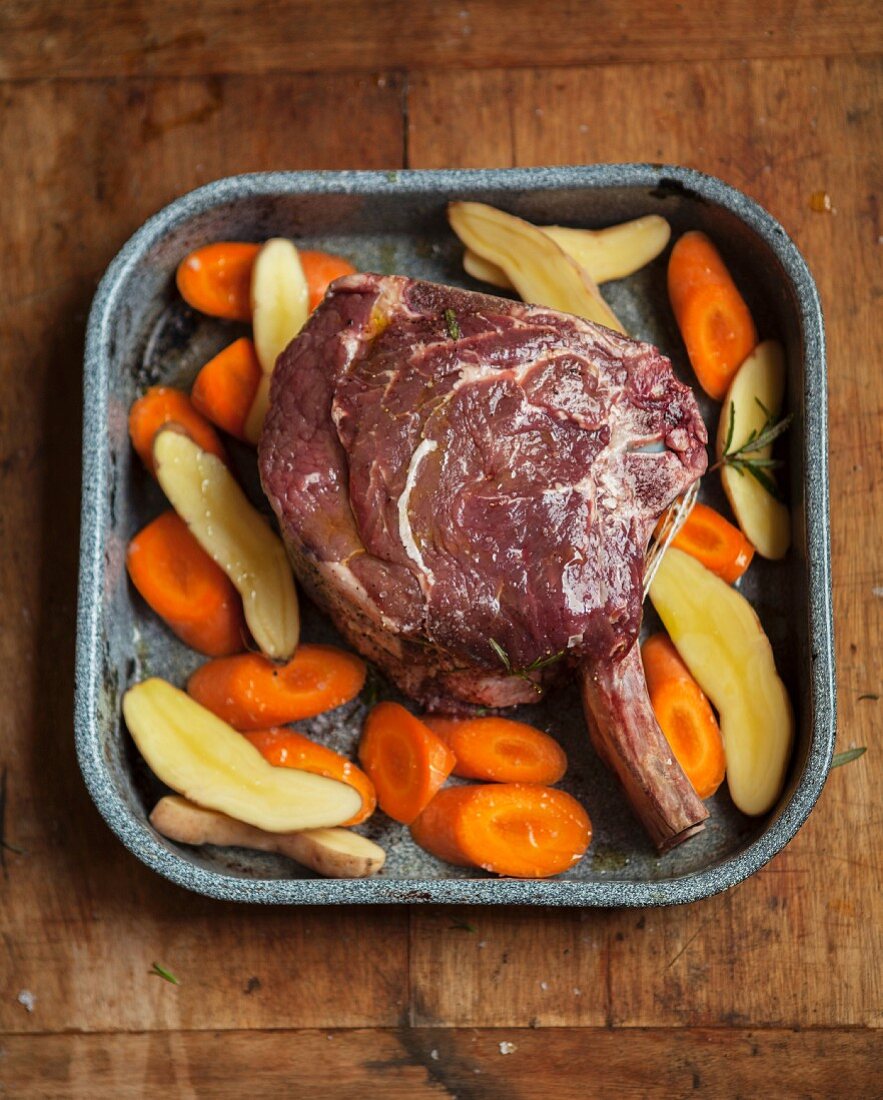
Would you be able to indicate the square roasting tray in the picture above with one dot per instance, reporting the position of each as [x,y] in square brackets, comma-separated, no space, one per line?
[141,333]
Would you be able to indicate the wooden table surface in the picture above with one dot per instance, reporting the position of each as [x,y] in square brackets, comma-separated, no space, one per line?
[111,110]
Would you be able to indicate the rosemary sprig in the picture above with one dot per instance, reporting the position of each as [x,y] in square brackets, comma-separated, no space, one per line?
[451,324]
[544,662]
[847,757]
[501,653]
[744,458]
[523,673]
[160,972]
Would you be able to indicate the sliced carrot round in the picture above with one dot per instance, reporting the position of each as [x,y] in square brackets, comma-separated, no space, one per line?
[501,750]
[185,587]
[684,715]
[719,335]
[163,405]
[250,692]
[225,388]
[216,279]
[286,748]
[515,829]
[404,759]
[715,323]
[435,830]
[321,269]
[713,540]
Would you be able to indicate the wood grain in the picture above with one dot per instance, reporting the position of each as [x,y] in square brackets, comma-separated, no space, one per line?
[780,130]
[564,1063]
[81,920]
[79,38]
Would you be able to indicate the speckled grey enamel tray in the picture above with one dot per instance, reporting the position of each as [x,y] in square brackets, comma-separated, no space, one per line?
[140,333]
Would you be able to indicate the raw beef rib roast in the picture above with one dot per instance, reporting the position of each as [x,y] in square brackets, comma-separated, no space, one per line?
[468,485]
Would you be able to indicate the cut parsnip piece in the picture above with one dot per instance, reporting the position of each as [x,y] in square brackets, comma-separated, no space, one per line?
[254,422]
[611,253]
[760,381]
[617,251]
[538,269]
[199,756]
[485,271]
[280,305]
[335,853]
[206,496]
[280,299]
[722,642]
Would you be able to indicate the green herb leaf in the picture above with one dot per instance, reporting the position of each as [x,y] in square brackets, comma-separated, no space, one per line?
[544,662]
[868,695]
[160,972]
[501,653]
[744,458]
[452,325]
[763,479]
[463,926]
[847,757]
[730,428]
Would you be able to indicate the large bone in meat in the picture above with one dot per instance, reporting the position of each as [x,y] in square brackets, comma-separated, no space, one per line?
[627,737]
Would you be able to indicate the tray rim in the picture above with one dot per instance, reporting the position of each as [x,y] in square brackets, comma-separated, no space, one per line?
[694,886]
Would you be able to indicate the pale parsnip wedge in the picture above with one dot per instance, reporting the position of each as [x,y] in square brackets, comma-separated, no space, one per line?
[257,414]
[195,753]
[538,269]
[617,251]
[335,853]
[764,520]
[485,271]
[721,640]
[206,496]
[611,253]
[280,301]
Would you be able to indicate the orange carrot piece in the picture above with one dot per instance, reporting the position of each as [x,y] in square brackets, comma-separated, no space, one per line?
[501,750]
[684,715]
[714,320]
[516,829]
[435,830]
[404,759]
[225,388]
[286,748]
[320,270]
[162,405]
[250,692]
[216,279]
[185,587]
[713,540]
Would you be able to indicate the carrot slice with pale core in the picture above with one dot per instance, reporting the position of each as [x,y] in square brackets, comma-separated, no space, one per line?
[515,829]
[684,715]
[405,760]
[250,692]
[185,587]
[501,750]
[715,323]
[713,540]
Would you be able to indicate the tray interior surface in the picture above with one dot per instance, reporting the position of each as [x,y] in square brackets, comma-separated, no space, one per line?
[156,338]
